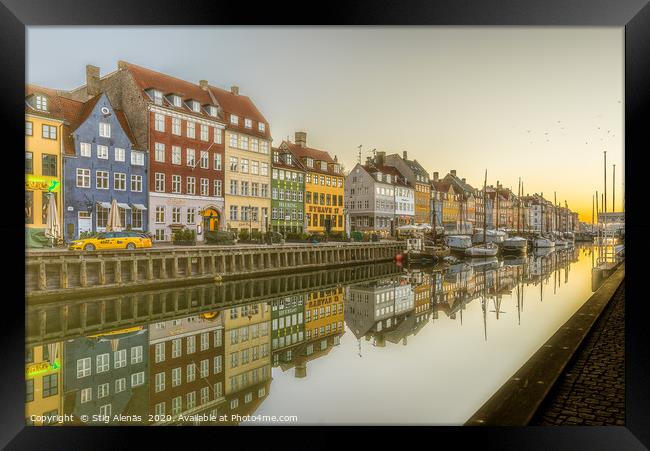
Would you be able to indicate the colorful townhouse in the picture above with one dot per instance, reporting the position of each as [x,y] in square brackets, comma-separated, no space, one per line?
[467,219]
[418,178]
[324,314]
[44,383]
[287,327]
[287,192]
[186,366]
[47,116]
[324,187]
[102,164]
[181,125]
[447,202]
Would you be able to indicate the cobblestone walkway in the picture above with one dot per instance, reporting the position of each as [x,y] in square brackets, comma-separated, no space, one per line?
[592,389]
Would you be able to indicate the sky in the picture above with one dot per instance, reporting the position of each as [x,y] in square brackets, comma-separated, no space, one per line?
[540,103]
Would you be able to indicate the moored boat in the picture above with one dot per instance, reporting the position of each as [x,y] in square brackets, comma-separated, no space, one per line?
[482,250]
[458,243]
[514,244]
[542,242]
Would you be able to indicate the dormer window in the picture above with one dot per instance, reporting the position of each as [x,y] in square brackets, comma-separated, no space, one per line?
[195,106]
[212,111]
[378,175]
[288,158]
[234,119]
[276,157]
[41,103]
[261,127]
[157,96]
[310,163]
[248,123]
[176,100]
[388,178]
[323,165]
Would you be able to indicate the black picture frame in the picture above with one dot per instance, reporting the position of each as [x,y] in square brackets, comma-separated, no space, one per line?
[634,15]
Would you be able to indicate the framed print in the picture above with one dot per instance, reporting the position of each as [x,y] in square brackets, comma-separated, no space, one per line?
[381,215]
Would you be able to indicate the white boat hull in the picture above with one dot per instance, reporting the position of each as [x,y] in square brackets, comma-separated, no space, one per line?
[545,243]
[482,251]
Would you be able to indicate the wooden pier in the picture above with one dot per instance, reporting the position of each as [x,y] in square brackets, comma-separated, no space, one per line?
[62,275]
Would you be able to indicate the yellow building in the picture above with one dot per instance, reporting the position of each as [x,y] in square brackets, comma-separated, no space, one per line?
[47,116]
[324,187]
[247,346]
[44,384]
[446,196]
[247,171]
[324,314]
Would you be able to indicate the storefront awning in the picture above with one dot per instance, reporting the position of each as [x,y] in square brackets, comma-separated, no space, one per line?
[125,206]
[104,204]
[139,207]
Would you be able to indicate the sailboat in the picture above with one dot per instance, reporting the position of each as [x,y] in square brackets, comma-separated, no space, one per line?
[484,249]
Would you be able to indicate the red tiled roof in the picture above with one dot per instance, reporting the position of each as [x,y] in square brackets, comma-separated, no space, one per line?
[398,178]
[441,186]
[244,108]
[295,162]
[315,154]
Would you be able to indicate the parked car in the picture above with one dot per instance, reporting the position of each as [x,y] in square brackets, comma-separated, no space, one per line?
[128,239]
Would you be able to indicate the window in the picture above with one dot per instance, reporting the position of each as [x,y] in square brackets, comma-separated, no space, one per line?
[105,410]
[233,140]
[244,143]
[176,100]
[217,138]
[265,190]
[191,400]
[159,152]
[233,212]
[102,216]
[265,147]
[83,178]
[204,160]
[191,185]
[261,127]
[191,129]
[205,368]
[190,372]
[176,183]
[119,181]
[103,363]
[176,215]
[191,344]
[159,122]
[104,130]
[160,408]
[190,157]
[136,354]
[176,377]
[233,360]
[233,187]
[160,182]
[136,183]
[48,165]
[264,170]
[160,214]
[218,364]
[83,367]
[217,161]
[177,405]
[218,390]
[29,163]
[157,97]
[49,132]
[159,382]
[244,189]
[137,158]
[204,132]
[205,395]
[196,107]
[244,165]
[176,155]
[217,188]
[137,379]
[160,352]
[50,385]
[41,103]
[234,119]
[255,189]
[136,218]
[86,395]
[255,145]
[101,180]
[176,126]
[102,390]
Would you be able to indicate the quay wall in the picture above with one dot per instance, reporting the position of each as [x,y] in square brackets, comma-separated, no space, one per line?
[63,275]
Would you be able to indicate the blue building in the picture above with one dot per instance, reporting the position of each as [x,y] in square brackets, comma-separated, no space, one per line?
[107,374]
[104,166]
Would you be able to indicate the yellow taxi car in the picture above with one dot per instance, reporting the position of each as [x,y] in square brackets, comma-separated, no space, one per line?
[112,240]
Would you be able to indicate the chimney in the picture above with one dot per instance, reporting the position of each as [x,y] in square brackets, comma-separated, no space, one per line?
[404,155]
[336,159]
[368,161]
[453,172]
[435,176]
[234,90]
[463,179]
[121,65]
[381,157]
[203,84]
[301,139]
[92,80]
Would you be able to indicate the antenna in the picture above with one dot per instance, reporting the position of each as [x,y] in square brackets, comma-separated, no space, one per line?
[360,145]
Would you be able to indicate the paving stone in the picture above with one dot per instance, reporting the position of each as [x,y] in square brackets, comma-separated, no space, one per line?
[592,389]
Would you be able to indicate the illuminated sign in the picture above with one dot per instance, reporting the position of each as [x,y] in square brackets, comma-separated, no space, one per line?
[117,332]
[48,184]
[42,367]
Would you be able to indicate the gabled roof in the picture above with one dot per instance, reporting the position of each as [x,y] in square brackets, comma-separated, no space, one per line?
[442,186]
[296,164]
[243,107]
[315,154]
[463,186]
[59,107]
[396,176]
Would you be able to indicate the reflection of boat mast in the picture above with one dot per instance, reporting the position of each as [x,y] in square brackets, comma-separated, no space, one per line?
[518,299]
[483,302]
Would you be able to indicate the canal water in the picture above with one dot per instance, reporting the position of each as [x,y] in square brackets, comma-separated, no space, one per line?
[383,344]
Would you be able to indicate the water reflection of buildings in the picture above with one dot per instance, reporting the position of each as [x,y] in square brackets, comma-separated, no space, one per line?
[43,381]
[106,375]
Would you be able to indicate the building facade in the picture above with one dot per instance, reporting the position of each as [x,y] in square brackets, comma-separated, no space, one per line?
[103,165]
[417,177]
[287,327]
[370,195]
[287,193]
[324,187]
[44,383]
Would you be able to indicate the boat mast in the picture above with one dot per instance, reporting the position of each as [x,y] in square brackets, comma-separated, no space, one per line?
[519,206]
[484,210]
